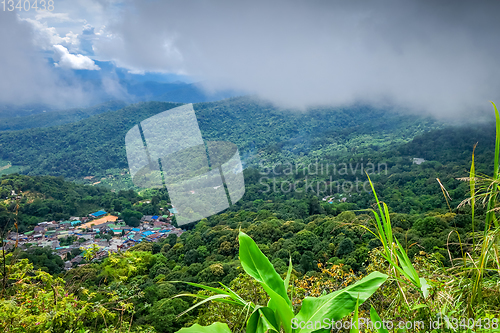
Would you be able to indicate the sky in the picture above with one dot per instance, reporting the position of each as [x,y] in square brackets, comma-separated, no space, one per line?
[439,57]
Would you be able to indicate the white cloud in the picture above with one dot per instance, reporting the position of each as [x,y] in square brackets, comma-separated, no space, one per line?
[73,61]
[60,17]
[46,36]
[26,77]
[136,71]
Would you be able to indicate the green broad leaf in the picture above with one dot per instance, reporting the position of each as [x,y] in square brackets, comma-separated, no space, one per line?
[283,312]
[424,287]
[338,304]
[418,306]
[377,322]
[214,328]
[355,319]
[262,320]
[256,264]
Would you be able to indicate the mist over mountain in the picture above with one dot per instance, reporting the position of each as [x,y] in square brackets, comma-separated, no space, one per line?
[338,158]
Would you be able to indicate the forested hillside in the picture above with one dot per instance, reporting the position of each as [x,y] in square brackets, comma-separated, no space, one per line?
[268,138]
[331,243]
[54,118]
[328,249]
[33,199]
[95,146]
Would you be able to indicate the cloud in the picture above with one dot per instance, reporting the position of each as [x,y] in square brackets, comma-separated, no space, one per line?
[87,39]
[27,77]
[440,57]
[45,37]
[65,59]
[60,17]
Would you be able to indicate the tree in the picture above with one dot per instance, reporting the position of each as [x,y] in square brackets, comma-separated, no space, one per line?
[172,239]
[279,314]
[91,252]
[307,261]
[117,205]
[191,257]
[133,222]
[345,247]
[44,259]
[33,296]
[164,315]
[131,217]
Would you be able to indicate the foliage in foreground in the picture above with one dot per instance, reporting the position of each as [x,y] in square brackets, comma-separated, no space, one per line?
[461,298]
[35,301]
[423,289]
[278,313]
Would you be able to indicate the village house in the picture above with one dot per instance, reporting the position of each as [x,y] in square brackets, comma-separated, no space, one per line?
[98,214]
[49,234]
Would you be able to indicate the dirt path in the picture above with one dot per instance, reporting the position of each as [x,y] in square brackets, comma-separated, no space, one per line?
[5,167]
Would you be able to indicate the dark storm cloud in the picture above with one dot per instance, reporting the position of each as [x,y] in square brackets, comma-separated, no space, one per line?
[438,56]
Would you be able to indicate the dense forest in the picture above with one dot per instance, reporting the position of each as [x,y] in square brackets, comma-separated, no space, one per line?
[54,118]
[34,199]
[95,146]
[308,231]
[320,242]
[330,236]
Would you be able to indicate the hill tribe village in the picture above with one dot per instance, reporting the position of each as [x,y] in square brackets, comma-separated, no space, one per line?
[100,229]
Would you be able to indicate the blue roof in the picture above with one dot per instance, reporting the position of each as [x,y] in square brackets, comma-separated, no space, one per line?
[155,217]
[98,213]
[136,229]
[147,233]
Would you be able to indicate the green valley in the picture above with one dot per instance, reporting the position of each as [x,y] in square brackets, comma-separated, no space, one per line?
[330,236]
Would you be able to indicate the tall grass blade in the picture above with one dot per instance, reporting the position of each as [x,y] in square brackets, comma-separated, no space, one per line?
[490,215]
[355,319]
[472,177]
[378,324]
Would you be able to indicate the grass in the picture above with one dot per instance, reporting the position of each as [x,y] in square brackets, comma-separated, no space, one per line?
[7,168]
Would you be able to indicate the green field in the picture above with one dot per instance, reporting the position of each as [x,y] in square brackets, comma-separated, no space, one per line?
[7,168]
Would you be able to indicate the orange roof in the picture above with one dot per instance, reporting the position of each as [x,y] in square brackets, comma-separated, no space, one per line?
[109,218]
